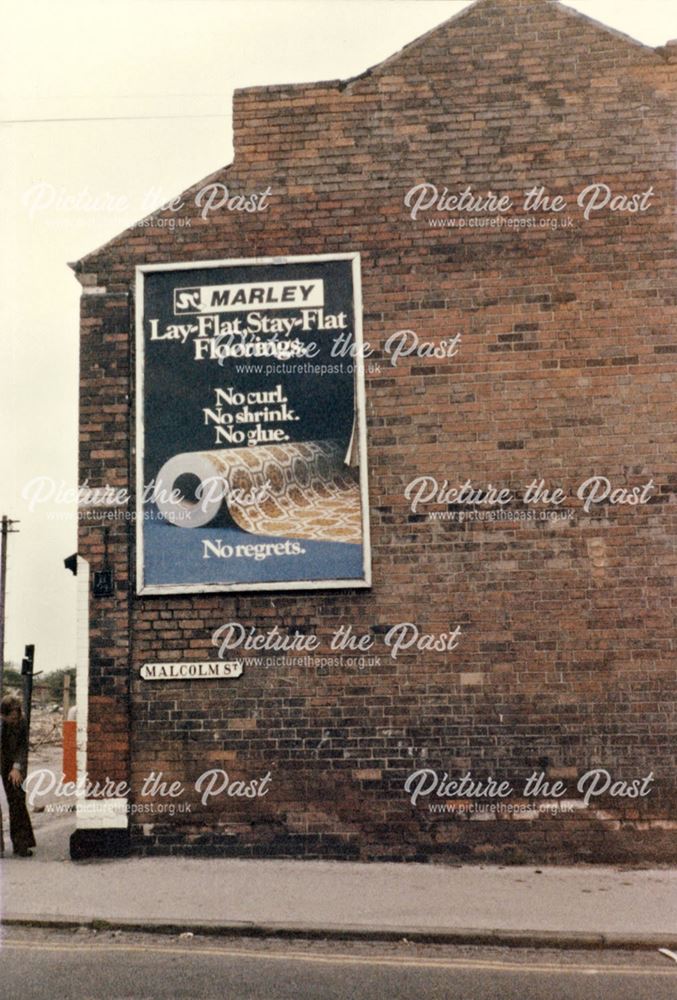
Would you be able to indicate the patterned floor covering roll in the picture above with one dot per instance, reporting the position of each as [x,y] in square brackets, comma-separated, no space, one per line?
[311,493]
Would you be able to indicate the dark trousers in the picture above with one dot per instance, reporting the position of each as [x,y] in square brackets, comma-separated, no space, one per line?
[20,826]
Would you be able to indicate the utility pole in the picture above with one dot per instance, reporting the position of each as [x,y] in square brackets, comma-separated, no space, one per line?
[7,529]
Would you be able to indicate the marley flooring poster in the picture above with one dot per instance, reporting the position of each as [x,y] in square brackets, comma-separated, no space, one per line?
[251,466]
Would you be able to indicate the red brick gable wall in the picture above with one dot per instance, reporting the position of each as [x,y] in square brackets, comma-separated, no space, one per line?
[565,370]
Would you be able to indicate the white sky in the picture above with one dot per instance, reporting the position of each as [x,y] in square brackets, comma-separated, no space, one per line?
[120,59]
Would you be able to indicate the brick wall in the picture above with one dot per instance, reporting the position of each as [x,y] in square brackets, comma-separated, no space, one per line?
[566,659]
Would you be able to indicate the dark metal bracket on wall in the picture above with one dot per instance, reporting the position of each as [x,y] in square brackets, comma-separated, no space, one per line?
[103,580]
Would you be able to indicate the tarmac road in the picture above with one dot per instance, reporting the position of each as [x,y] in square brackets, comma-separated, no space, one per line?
[39,964]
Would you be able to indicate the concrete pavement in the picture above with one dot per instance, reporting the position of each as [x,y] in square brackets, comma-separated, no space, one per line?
[581,907]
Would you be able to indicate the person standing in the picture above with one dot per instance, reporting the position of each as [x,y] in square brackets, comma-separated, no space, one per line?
[13,767]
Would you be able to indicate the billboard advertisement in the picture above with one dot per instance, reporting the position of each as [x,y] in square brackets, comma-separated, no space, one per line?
[250,430]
